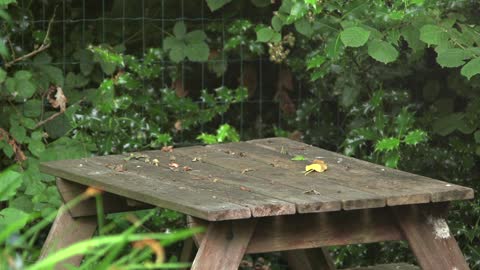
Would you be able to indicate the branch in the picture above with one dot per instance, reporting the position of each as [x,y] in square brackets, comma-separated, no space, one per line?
[53,116]
[45,45]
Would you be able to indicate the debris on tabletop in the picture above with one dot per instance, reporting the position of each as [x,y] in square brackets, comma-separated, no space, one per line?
[311,192]
[247,170]
[298,158]
[117,167]
[316,166]
[167,149]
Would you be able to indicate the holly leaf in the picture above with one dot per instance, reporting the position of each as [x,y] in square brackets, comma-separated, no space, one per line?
[382,51]
[354,36]
[387,144]
[416,136]
[471,69]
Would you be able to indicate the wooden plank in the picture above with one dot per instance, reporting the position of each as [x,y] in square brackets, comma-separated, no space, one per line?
[310,259]
[112,203]
[265,186]
[429,238]
[323,190]
[161,191]
[408,188]
[66,231]
[395,266]
[304,231]
[224,245]
[205,179]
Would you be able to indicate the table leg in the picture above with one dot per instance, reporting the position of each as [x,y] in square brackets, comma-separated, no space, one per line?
[310,259]
[430,238]
[66,231]
[224,245]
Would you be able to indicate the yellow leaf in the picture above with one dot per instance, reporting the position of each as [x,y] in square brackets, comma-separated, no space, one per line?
[316,166]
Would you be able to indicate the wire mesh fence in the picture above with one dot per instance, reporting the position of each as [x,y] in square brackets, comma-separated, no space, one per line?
[135,26]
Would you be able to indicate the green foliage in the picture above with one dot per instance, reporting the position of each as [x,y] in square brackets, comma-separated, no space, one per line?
[189,45]
[225,133]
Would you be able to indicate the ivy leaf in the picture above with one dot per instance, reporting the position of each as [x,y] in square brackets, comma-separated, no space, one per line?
[387,144]
[451,57]
[382,51]
[354,36]
[10,182]
[216,4]
[471,69]
[432,34]
[416,136]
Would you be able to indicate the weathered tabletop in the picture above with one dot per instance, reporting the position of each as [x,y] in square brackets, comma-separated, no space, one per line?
[255,178]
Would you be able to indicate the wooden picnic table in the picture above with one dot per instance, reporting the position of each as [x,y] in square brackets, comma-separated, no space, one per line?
[253,198]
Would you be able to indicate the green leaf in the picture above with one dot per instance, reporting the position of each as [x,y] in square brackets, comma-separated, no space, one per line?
[261,3]
[4,3]
[36,147]
[196,36]
[433,34]
[471,69]
[448,124]
[476,135]
[10,181]
[12,220]
[382,51]
[177,53]
[451,57]
[403,121]
[304,27]
[315,62]
[392,158]
[19,133]
[32,108]
[416,136]
[216,4]
[207,138]
[354,36]
[265,34]
[197,52]
[55,74]
[3,75]
[179,29]
[412,36]
[298,158]
[24,88]
[387,144]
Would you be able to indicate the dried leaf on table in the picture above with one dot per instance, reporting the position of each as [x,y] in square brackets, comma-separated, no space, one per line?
[246,170]
[186,168]
[245,188]
[316,166]
[168,149]
[57,98]
[311,192]
[173,165]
